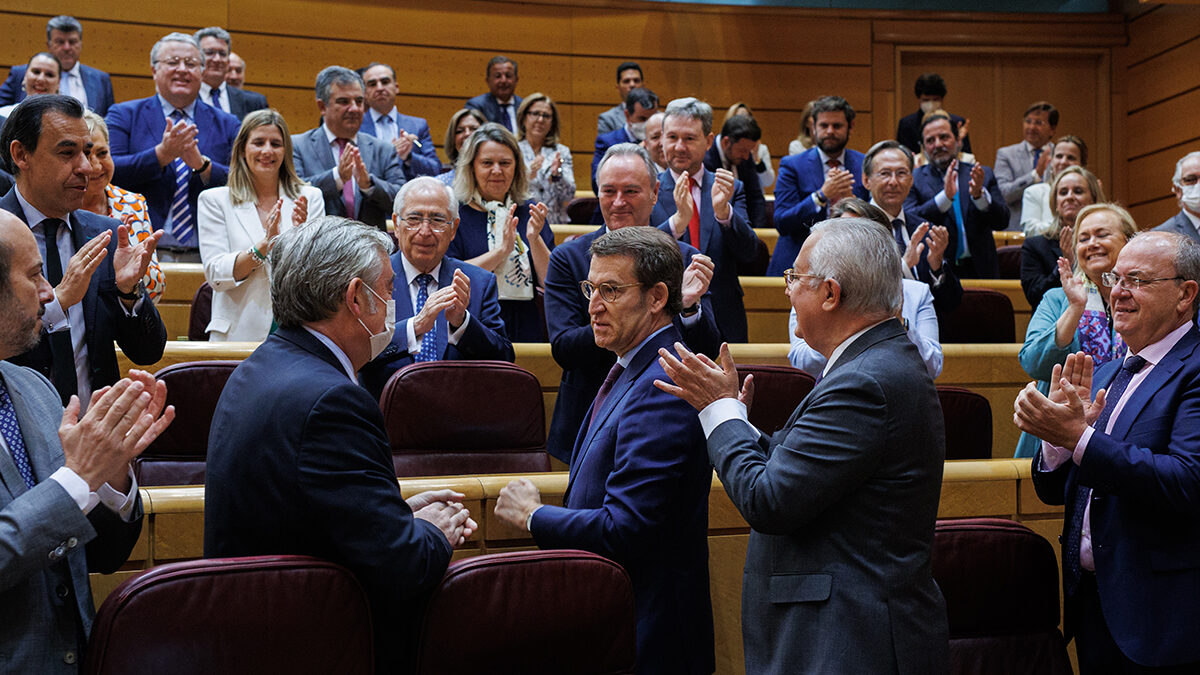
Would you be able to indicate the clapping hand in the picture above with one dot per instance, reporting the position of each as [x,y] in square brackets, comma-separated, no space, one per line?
[722,193]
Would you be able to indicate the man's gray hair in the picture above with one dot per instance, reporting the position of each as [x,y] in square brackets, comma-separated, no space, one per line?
[215,32]
[426,183]
[1187,263]
[692,108]
[628,150]
[1179,166]
[336,75]
[174,37]
[862,257]
[310,267]
[64,23]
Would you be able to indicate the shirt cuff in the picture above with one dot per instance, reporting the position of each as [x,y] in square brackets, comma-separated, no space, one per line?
[942,201]
[76,487]
[984,201]
[55,318]
[1053,456]
[1081,445]
[456,335]
[689,321]
[725,223]
[414,342]
[120,504]
[720,411]
[529,519]
[133,311]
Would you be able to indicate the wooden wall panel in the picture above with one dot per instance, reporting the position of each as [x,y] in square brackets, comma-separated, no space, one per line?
[1150,175]
[1164,125]
[1163,76]
[1161,29]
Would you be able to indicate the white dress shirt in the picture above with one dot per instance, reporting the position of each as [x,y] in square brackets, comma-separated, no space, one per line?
[71,84]
[223,92]
[411,273]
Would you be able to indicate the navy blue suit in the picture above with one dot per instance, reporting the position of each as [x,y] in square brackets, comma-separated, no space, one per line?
[299,463]
[490,107]
[946,295]
[573,344]
[727,246]
[908,131]
[603,143]
[756,203]
[795,211]
[928,181]
[242,102]
[135,127]
[1145,516]
[638,494]
[422,161]
[484,337]
[96,83]
[141,337]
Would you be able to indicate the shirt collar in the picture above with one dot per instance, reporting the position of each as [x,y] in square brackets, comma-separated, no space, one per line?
[842,347]
[1155,352]
[329,134]
[32,215]
[699,177]
[168,109]
[627,358]
[840,157]
[74,71]
[337,352]
[410,272]
[376,116]
[206,91]
[1192,218]
[890,216]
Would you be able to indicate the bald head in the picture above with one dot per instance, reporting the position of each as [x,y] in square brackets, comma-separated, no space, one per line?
[23,289]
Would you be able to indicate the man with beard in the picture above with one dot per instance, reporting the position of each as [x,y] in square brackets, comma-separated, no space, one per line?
[815,179]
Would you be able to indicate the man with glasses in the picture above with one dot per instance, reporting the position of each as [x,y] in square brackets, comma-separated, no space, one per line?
[64,39]
[1186,186]
[171,146]
[1124,464]
[216,44]
[446,309]
[639,483]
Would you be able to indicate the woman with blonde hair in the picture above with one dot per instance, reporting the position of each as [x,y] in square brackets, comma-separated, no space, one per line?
[804,139]
[1073,189]
[462,124]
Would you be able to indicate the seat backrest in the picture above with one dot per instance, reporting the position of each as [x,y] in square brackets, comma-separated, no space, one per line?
[580,210]
[465,417]
[968,418]
[266,614]
[984,315]
[777,392]
[1009,259]
[177,456]
[1000,582]
[544,611]
[200,314]
[756,266]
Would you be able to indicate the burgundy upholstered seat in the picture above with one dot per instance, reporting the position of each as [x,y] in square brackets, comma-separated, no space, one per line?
[177,457]
[984,315]
[200,313]
[1009,259]
[777,392]
[968,423]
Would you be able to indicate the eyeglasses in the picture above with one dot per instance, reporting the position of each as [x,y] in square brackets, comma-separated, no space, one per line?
[175,62]
[414,221]
[888,174]
[540,115]
[1111,279]
[216,52]
[1189,180]
[791,276]
[608,292]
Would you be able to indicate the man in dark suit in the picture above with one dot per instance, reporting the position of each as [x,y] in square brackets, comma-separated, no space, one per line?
[64,39]
[500,103]
[930,89]
[842,500]
[628,192]
[963,198]
[735,150]
[629,77]
[216,43]
[358,174]
[171,146]
[815,179]
[446,309]
[1186,186]
[640,105]
[408,135]
[298,460]
[639,482]
[888,174]
[51,467]
[710,216]
[99,294]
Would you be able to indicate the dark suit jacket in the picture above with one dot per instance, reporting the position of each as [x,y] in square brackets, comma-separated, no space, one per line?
[573,345]
[842,503]
[1039,267]
[484,337]
[948,294]
[315,162]
[1179,224]
[490,107]
[48,545]
[142,337]
[928,182]
[135,127]
[299,463]
[1144,513]
[795,211]
[96,83]
[242,102]
[422,161]
[727,246]
[638,494]
[756,204]
[908,131]
[603,143]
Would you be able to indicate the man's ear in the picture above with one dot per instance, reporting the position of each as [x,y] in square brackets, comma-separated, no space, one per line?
[658,296]
[832,291]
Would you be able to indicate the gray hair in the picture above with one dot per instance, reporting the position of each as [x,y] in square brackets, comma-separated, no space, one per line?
[175,37]
[628,150]
[64,23]
[1187,263]
[1179,166]
[310,267]
[215,32]
[656,259]
[425,183]
[692,108]
[862,257]
[336,75]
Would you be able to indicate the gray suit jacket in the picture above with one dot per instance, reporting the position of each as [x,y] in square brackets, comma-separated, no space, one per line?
[611,119]
[44,587]
[1179,224]
[1014,173]
[315,162]
[838,576]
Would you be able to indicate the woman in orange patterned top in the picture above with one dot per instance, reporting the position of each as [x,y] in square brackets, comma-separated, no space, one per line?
[109,200]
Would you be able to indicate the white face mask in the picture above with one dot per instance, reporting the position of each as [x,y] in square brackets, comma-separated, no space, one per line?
[929,106]
[1190,196]
[380,341]
[638,129]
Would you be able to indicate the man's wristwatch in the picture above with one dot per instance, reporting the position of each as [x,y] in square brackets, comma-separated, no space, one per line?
[203,167]
[135,294]
[690,311]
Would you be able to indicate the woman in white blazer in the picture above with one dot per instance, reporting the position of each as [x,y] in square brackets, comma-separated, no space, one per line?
[239,222]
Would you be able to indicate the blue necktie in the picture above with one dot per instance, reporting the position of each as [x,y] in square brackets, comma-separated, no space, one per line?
[963,251]
[898,232]
[508,121]
[12,436]
[216,96]
[62,351]
[1037,154]
[429,340]
[386,131]
[183,227]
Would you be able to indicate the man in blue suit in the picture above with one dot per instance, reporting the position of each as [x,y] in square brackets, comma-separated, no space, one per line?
[64,39]
[963,198]
[172,146]
[640,105]
[639,482]
[500,103]
[408,135]
[217,45]
[1124,465]
[97,273]
[628,192]
[815,179]
[446,309]
[711,216]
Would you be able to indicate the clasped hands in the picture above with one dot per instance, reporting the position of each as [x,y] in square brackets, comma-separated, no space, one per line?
[444,508]
[350,165]
[452,299]
[1061,418]
[975,187]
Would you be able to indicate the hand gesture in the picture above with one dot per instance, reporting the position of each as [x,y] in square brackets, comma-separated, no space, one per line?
[696,278]
[403,143]
[1078,371]
[938,240]
[1066,242]
[916,246]
[535,164]
[439,301]
[345,165]
[509,239]
[697,379]
[839,184]
[1072,286]
[683,203]
[977,178]
[555,163]
[1043,162]
[1059,423]
[131,260]
[722,193]
[300,211]
[175,140]
[537,218]
[192,156]
[950,182]
[452,518]
[517,500]
[80,268]
[456,313]
[360,171]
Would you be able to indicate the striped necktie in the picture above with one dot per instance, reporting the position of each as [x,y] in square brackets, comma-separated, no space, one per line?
[183,223]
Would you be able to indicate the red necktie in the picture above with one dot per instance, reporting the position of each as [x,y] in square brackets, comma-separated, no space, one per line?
[694,223]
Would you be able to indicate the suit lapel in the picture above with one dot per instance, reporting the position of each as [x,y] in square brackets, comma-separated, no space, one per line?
[40,454]
[321,149]
[706,211]
[445,278]
[404,300]
[247,217]
[1158,377]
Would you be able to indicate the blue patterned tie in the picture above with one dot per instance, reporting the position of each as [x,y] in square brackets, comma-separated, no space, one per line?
[216,98]
[429,340]
[12,436]
[183,227]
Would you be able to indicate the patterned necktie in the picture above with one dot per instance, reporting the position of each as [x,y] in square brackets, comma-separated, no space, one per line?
[347,187]
[898,232]
[183,224]
[508,120]
[1071,563]
[832,164]
[605,389]
[694,223]
[62,352]
[385,129]
[12,436]
[428,350]
[216,98]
